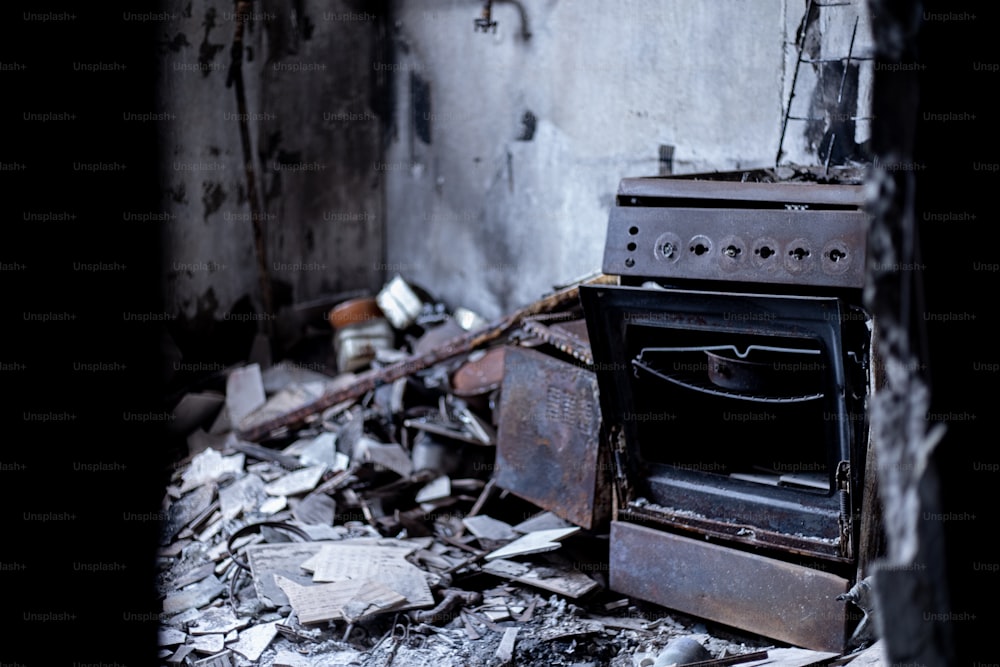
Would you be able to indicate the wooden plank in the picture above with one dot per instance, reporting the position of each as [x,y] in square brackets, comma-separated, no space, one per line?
[505,652]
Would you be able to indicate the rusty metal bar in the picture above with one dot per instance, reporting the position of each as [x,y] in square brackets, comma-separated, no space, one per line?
[457,346]
[852,196]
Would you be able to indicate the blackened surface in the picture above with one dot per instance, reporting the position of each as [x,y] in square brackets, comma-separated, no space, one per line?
[957,44]
[942,605]
[420,102]
[84,577]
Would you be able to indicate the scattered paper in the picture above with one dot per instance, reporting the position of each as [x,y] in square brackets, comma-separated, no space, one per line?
[568,582]
[326,602]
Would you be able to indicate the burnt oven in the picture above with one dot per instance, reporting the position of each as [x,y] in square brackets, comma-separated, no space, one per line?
[732,362]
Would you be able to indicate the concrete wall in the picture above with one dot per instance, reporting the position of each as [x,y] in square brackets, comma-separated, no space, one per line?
[496,155]
[508,148]
[315,131]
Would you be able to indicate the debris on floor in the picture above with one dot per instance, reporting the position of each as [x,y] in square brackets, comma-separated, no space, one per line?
[357,519]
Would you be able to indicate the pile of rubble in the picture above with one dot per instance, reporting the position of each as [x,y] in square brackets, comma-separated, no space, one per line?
[371,530]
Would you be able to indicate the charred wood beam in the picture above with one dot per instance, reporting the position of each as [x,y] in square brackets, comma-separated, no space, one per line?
[909,582]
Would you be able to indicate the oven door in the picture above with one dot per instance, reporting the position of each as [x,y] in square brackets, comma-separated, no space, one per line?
[732,415]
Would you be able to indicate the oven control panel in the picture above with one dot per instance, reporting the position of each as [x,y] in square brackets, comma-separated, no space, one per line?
[803,234]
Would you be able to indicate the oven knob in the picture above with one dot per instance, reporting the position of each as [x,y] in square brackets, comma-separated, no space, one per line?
[836,258]
[800,258]
[667,247]
[733,255]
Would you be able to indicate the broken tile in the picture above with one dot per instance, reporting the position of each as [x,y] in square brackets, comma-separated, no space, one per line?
[184,511]
[533,543]
[300,481]
[224,659]
[316,508]
[217,621]
[243,495]
[542,521]
[199,522]
[568,582]
[254,641]
[244,392]
[320,450]
[266,470]
[273,505]
[170,637]
[436,489]
[184,618]
[193,576]
[486,527]
[208,643]
[196,596]
[210,466]
[214,526]
[179,656]
[390,456]
[283,402]
[284,374]
[371,599]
